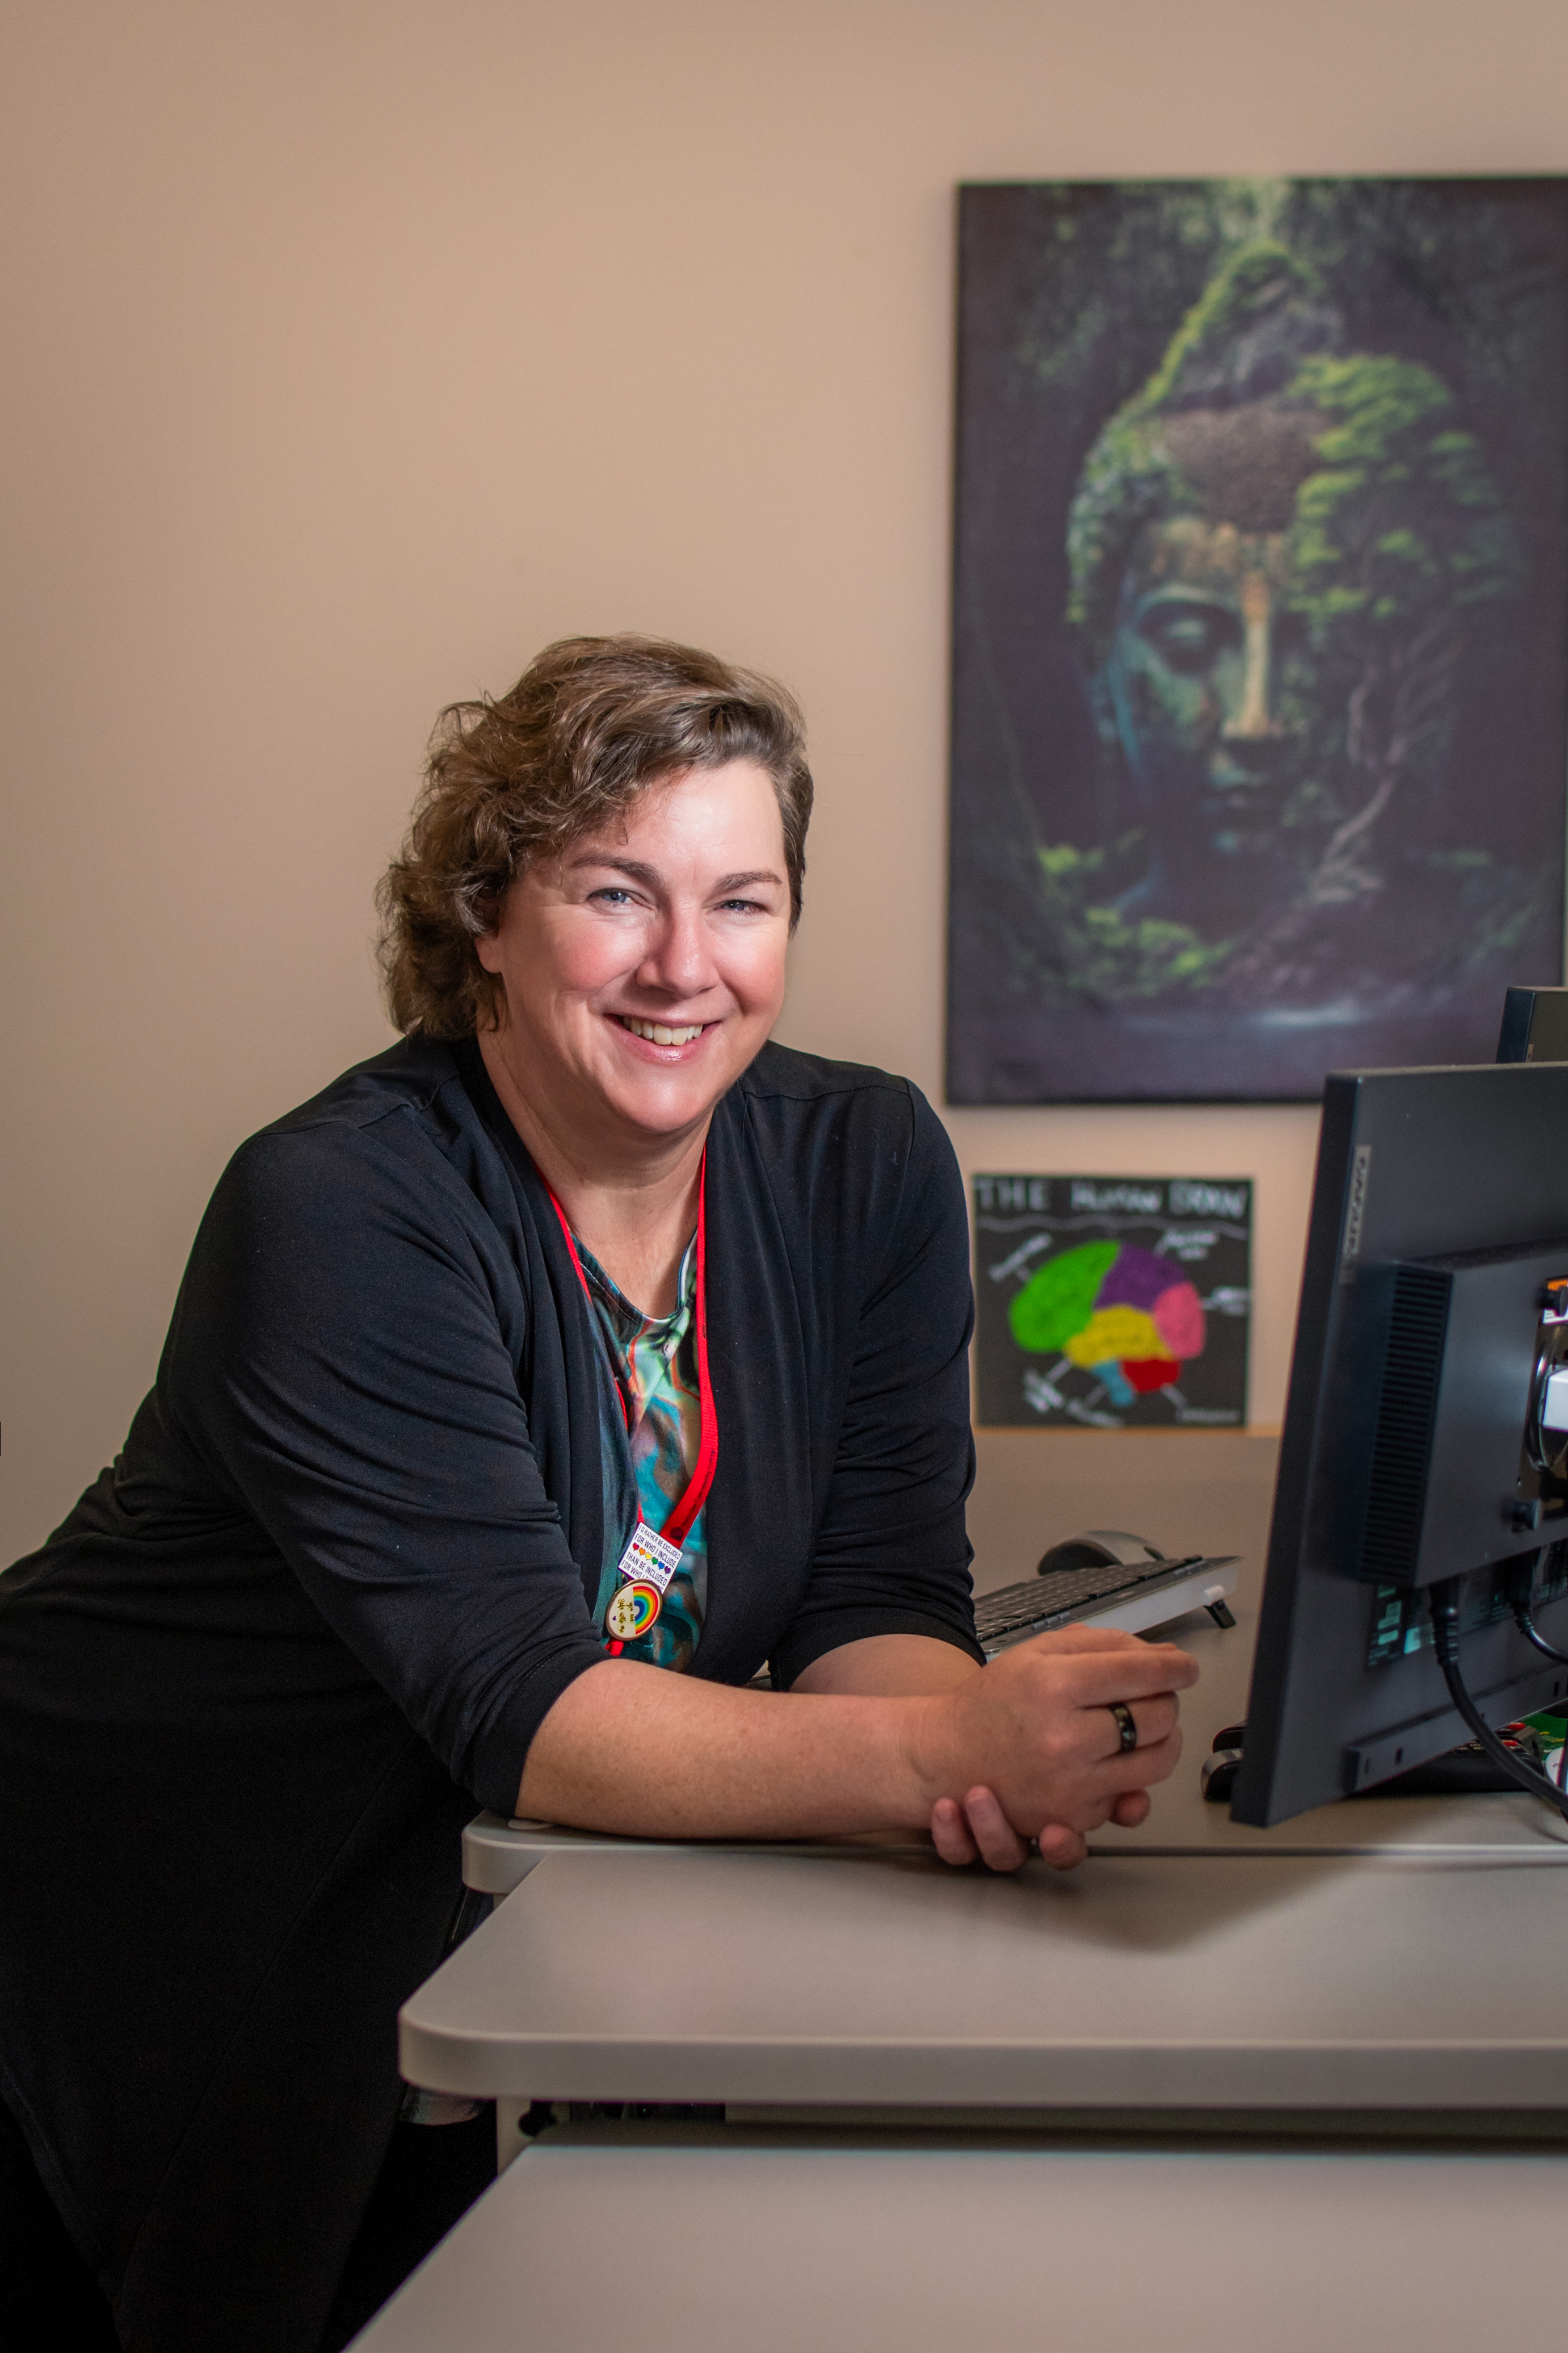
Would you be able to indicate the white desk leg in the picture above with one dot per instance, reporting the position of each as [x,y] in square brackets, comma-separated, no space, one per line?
[509,2141]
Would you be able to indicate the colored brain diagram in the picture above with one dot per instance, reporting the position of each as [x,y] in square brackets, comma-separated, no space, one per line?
[1109,1303]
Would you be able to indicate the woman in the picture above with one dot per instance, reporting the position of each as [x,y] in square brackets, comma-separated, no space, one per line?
[582,1337]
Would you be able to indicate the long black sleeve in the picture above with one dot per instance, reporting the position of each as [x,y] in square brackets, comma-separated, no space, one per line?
[891,1553]
[344,1358]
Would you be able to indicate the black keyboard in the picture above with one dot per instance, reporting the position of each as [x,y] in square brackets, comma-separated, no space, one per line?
[1040,1603]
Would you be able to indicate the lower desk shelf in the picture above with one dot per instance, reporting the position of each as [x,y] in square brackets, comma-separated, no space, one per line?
[685,2249]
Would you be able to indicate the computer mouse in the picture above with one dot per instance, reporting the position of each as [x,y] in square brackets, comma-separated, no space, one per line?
[1216,1776]
[1097,1547]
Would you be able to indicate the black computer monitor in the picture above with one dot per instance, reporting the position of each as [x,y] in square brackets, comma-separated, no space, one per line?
[1534,1026]
[1420,1442]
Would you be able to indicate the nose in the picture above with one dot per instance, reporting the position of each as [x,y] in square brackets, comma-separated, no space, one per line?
[1251,723]
[679,959]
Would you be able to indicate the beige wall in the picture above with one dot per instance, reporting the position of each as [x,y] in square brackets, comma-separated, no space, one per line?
[362,346]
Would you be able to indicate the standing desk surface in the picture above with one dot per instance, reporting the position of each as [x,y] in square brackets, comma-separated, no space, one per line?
[1137,1982]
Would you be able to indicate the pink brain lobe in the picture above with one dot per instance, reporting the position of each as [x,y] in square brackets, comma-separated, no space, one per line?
[1178,1316]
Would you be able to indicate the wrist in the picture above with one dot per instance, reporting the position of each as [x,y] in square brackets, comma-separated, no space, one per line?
[931,1746]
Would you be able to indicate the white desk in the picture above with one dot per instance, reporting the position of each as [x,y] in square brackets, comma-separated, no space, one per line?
[1139,1982]
[919,2249]
[1182,2045]
[1359,1957]
[1384,1967]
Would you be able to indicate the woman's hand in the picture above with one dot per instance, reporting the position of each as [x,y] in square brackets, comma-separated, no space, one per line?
[1043,1710]
[977,1830]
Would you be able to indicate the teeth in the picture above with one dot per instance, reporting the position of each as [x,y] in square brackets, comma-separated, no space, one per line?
[657,1033]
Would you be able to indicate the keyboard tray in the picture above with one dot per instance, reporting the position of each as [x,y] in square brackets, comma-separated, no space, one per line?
[1147,1594]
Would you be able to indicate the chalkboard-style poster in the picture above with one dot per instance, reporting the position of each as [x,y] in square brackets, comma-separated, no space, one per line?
[1260,630]
[1113,1302]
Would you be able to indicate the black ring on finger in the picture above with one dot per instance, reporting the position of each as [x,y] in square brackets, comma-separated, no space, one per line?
[1126,1730]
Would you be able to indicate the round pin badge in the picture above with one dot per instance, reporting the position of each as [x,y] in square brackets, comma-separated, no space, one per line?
[631,1611]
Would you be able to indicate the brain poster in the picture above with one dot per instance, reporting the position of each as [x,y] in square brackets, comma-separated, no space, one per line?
[1113,1302]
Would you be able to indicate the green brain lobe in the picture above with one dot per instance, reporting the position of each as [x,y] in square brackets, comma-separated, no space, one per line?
[1058,1299]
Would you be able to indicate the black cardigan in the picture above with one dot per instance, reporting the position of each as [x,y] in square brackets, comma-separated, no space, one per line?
[251,1688]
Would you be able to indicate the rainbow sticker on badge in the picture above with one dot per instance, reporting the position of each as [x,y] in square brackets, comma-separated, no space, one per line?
[631,1611]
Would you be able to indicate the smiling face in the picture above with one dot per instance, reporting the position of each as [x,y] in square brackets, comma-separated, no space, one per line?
[643,969]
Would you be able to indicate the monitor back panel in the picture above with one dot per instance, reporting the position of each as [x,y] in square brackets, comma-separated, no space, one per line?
[1412,1164]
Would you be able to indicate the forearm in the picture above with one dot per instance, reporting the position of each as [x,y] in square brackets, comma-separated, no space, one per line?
[632,1749]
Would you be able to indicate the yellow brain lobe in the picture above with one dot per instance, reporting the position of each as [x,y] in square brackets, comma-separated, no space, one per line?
[1116,1331]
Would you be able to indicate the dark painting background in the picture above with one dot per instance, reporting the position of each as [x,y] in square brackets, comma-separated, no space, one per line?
[1068,298]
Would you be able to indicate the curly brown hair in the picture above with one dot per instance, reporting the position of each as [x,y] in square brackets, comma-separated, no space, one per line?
[590,724]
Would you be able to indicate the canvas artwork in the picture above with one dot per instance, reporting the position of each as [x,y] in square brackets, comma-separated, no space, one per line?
[1261,709]
[1113,1302]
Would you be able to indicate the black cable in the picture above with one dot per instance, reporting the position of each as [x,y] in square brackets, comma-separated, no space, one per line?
[1519,1588]
[1532,1632]
[1520,1582]
[1444,1601]
[1527,1627]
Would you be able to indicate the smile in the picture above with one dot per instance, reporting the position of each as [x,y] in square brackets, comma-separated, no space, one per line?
[659,1033]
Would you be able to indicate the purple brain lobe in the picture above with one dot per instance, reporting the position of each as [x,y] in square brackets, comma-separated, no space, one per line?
[1137,1280]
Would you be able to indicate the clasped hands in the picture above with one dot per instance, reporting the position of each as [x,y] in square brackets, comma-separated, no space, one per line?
[1035,1739]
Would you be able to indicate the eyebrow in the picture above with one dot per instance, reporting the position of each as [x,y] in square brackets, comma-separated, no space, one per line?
[641,873]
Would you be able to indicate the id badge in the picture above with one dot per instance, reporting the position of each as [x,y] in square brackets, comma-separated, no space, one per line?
[648,1559]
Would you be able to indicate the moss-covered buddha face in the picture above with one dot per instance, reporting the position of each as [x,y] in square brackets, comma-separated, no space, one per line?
[1279,553]
[1207,687]
[1184,540]
[1208,658]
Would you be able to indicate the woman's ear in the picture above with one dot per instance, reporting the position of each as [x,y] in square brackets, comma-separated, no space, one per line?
[483,916]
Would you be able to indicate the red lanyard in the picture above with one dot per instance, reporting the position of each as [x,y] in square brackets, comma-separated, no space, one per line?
[677,1527]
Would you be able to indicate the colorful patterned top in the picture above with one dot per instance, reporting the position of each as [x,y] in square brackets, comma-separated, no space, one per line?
[647,1471]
